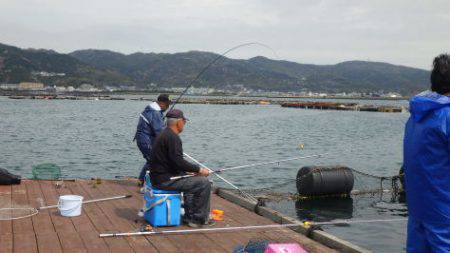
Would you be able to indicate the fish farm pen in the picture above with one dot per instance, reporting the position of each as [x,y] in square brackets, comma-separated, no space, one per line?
[48,231]
[342,107]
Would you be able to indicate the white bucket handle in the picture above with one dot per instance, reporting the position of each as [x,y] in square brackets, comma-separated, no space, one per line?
[68,209]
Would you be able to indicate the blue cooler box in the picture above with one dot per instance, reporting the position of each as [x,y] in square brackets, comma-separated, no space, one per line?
[163,208]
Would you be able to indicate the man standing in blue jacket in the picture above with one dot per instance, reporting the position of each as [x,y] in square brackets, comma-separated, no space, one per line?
[151,123]
[427,164]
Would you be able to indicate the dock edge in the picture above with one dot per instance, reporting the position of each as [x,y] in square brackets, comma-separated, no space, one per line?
[322,237]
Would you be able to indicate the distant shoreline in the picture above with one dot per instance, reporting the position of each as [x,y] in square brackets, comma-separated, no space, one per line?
[8,93]
[292,102]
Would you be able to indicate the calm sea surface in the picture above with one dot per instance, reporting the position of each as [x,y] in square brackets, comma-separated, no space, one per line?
[94,139]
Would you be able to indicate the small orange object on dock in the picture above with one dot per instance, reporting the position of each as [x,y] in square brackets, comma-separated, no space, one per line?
[217,214]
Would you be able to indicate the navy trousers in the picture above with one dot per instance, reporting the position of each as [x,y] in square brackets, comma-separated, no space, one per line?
[145,150]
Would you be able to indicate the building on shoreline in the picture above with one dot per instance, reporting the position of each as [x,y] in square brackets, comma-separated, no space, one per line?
[31,86]
[9,86]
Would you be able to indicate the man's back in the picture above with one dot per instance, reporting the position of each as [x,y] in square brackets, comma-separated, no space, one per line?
[167,158]
[150,123]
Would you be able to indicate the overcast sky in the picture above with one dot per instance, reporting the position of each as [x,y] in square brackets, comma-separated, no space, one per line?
[405,32]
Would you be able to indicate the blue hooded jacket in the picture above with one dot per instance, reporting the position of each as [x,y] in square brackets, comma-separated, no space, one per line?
[427,158]
[151,123]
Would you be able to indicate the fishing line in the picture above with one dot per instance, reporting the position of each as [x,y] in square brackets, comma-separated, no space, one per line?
[214,61]
[223,179]
[254,164]
[225,229]
[221,56]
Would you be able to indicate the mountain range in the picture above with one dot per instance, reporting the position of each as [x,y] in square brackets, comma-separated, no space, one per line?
[104,67]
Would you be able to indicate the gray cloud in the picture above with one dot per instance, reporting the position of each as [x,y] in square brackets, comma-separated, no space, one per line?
[403,32]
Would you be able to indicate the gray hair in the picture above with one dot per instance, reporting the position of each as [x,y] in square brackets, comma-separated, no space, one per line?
[171,121]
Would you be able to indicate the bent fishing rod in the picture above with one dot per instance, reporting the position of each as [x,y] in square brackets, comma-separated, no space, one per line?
[306,224]
[196,78]
[252,165]
[214,61]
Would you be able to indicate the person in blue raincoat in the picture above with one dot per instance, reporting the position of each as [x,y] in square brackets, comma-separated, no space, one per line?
[151,123]
[427,164]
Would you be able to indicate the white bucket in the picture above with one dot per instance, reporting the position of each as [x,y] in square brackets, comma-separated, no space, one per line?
[70,205]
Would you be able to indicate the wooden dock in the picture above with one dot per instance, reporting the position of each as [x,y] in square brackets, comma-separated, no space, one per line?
[50,232]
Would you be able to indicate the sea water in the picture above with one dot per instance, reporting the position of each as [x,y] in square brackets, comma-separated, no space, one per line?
[88,138]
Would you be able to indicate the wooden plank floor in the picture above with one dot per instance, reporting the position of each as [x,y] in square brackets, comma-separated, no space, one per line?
[50,232]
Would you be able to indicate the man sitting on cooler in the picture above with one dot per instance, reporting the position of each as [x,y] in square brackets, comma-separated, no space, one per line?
[167,161]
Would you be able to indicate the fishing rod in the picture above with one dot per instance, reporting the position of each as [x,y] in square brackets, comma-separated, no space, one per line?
[89,201]
[346,222]
[214,61]
[223,179]
[253,165]
[226,229]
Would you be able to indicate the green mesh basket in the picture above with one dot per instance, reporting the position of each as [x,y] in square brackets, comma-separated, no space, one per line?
[46,171]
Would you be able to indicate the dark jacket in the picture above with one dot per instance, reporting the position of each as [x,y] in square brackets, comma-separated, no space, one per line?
[150,124]
[427,158]
[167,158]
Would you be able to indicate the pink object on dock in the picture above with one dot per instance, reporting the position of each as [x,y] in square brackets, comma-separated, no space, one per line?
[285,248]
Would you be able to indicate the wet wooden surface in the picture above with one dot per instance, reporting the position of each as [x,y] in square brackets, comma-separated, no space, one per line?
[49,232]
